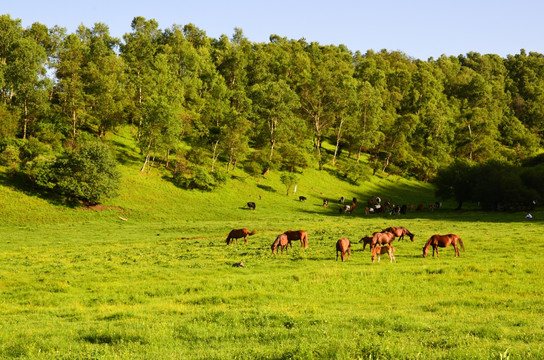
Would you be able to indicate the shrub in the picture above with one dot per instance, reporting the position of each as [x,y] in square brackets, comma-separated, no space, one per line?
[10,157]
[199,178]
[88,173]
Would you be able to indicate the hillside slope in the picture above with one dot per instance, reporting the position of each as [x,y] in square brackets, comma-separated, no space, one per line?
[152,197]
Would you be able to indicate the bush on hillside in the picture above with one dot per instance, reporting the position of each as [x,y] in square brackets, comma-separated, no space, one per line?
[199,178]
[88,173]
[10,157]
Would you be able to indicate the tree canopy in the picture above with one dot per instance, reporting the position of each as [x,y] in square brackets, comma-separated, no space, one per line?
[270,106]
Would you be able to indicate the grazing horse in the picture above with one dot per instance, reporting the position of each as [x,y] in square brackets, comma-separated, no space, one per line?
[344,246]
[367,240]
[437,241]
[380,250]
[239,233]
[251,205]
[400,232]
[298,235]
[381,238]
[282,241]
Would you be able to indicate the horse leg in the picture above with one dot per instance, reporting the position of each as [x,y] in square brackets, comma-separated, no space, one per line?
[456,250]
[245,238]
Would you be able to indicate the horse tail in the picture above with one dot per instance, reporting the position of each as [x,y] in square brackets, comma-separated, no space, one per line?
[461,242]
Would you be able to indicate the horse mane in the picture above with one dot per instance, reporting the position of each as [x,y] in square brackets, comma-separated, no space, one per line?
[428,243]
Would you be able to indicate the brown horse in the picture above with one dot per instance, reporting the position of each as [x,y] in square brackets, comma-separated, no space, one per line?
[380,250]
[367,240]
[298,235]
[280,241]
[237,234]
[400,232]
[381,238]
[344,246]
[437,241]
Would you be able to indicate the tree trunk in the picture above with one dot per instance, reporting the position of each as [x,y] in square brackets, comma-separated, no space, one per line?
[147,155]
[338,136]
[74,122]
[214,155]
[25,121]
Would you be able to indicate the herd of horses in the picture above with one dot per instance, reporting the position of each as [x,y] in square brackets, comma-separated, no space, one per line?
[379,242]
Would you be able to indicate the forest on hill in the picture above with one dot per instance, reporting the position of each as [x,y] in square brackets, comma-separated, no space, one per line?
[202,106]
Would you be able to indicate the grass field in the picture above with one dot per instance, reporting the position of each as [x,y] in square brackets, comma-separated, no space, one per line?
[86,284]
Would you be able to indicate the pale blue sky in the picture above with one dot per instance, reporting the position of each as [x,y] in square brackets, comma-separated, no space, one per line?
[419,28]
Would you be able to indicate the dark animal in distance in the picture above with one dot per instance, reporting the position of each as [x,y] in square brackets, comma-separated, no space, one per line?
[280,241]
[239,233]
[302,198]
[380,250]
[251,205]
[238,264]
[400,232]
[325,202]
[297,235]
[344,247]
[437,241]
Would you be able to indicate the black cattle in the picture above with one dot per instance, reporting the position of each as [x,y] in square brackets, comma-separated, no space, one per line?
[301,198]
[251,205]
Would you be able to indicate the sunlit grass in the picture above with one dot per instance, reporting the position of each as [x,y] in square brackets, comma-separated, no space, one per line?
[150,276]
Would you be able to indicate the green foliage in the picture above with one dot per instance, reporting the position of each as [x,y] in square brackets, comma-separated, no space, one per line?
[495,185]
[198,177]
[353,172]
[455,181]
[231,98]
[9,124]
[288,179]
[88,173]
[9,157]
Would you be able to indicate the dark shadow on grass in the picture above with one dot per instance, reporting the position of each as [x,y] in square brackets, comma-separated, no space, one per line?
[125,154]
[405,194]
[266,188]
[21,183]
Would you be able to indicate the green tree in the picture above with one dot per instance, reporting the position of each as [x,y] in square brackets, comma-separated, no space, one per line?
[456,181]
[288,179]
[88,173]
[70,86]
[103,79]
[138,52]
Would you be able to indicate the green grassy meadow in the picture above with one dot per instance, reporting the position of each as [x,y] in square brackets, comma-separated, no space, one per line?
[149,276]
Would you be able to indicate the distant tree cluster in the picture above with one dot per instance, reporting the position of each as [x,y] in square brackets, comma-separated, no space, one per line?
[200,105]
[495,185]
